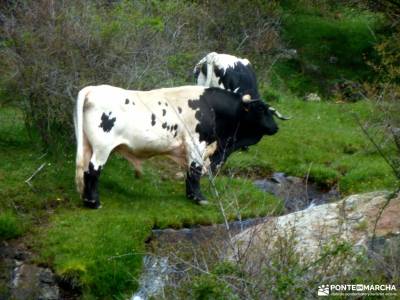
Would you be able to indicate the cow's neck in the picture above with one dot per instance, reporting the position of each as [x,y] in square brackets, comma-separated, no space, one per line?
[218,115]
[242,137]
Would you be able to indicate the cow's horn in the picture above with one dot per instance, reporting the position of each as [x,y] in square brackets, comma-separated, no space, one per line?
[276,113]
[246,98]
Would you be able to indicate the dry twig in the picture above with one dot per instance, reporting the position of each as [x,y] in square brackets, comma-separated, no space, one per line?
[34,174]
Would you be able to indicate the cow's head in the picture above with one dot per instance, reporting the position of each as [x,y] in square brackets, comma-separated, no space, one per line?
[260,115]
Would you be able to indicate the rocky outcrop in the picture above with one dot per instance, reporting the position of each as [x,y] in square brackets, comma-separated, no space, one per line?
[312,230]
[21,279]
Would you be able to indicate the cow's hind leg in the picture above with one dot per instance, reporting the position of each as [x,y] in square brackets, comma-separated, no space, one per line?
[91,178]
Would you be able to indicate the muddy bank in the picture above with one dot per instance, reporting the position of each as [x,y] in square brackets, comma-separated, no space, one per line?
[21,278]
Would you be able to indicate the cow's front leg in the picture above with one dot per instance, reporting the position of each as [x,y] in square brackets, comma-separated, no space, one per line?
[193,191]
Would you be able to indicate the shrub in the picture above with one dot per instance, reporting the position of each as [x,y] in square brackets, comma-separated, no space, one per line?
[385,93]
[51,49]
[208,287]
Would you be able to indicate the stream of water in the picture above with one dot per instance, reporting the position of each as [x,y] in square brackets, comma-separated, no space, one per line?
[296,193]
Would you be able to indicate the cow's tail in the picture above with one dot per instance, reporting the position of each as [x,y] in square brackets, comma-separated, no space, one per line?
[81,140]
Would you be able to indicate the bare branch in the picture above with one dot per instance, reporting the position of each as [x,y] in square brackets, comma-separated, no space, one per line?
[35,173]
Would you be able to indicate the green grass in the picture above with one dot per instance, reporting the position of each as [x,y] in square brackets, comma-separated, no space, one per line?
[10,226]
[101,251]
[319,34]
[324,141]
[104,248]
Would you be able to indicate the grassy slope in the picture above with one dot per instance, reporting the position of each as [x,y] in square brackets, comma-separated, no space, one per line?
[101,250]
[318,35]
[325,140]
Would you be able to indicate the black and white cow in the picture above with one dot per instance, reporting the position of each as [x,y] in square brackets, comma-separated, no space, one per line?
[193,125]
[228,72]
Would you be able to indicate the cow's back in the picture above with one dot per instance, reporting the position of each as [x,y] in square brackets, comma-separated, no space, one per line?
[146,121]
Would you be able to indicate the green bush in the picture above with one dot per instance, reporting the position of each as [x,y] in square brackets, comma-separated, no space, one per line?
[51,49]
[210,287]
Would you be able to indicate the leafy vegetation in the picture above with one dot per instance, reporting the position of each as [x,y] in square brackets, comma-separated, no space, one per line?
[283,273]
[52,49]
[9,226]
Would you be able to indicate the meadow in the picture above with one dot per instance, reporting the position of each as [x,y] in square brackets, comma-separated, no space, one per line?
[100,251]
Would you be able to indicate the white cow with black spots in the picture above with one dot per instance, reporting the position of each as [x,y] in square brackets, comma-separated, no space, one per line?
[193,125]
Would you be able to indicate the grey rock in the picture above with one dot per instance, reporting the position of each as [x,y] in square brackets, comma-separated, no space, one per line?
[312,97]
[46,276]
[350,220]
[289,54]
[333,59]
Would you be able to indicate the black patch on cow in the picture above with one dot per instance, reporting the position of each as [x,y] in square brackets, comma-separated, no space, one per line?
[175,126]
[164,125]
[133,103]
[179,109]
[166,104]
[159,102]
[127,101]
[240,77]
[167,127]
[153,119]
[223,117]
[90,191]
[164,112]
[176,133]
[106,123]
[197,72]
[193,183]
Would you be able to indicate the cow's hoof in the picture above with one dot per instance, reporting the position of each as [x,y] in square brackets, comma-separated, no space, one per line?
[199,199]
[91,203]
[203,202]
